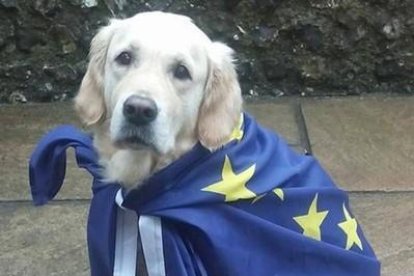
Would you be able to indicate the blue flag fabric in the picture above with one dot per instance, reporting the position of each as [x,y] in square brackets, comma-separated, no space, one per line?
[46,173]
[254,207]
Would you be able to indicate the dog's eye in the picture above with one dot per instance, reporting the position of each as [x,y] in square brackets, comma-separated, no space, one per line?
[124,58]
[181,72]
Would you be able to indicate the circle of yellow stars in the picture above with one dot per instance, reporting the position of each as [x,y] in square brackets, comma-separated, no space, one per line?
[233,187]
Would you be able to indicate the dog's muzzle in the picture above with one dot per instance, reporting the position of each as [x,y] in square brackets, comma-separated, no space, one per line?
[136,130]
[139,111]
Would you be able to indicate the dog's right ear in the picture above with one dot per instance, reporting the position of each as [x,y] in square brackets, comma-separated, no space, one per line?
[90,102]
[222,104]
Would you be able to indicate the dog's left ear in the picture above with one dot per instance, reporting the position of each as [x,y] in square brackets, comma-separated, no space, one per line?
[222,104]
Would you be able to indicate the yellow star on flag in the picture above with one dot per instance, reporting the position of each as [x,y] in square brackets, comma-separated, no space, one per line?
[232,185]
[279,193]
[237,133]
[349,226]
[311,222]
[257,198]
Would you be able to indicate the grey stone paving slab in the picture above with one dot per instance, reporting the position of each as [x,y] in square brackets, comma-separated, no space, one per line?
[278,116]
[26,123]
[367,144]
[50,240]
[387,221]
[39,241]
[14,182]
[23,125]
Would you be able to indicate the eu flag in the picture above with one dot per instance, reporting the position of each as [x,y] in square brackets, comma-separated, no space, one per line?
[254,207]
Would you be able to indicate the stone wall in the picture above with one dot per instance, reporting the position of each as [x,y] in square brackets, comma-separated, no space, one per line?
[285,47]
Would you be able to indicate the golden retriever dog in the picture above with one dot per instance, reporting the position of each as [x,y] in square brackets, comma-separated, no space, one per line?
[154,87]
[157,86]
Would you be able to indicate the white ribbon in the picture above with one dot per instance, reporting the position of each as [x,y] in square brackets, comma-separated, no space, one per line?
[126,240]
[151,238]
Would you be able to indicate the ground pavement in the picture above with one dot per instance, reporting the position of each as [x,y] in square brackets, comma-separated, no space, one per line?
[366,144]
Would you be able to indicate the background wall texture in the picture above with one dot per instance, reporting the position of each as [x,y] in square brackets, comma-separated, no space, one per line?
[284,47]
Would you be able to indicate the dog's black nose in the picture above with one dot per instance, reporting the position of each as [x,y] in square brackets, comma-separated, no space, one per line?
[139,110]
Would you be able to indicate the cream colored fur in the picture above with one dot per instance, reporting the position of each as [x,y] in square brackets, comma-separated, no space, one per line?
[205,108]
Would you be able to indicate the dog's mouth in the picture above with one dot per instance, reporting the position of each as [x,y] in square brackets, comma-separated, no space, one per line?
[136,138]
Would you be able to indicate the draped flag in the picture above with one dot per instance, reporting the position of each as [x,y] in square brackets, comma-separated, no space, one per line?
[254,207]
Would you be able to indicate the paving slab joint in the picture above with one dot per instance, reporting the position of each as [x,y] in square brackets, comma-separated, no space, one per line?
[302,129]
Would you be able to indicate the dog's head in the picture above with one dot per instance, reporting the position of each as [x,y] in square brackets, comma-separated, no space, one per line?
[155,80]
